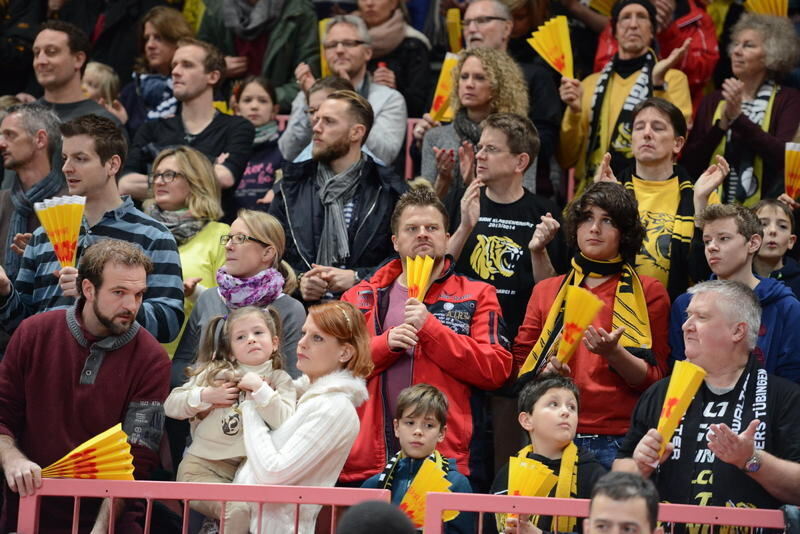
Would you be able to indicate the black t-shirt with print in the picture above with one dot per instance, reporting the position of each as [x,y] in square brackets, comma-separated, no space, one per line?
[712,482]
[496,252]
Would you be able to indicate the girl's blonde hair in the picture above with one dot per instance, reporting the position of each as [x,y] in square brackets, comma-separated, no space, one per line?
[204,192]
[346,323]
[216,358]
[108,79]
[268,229]
[509,91]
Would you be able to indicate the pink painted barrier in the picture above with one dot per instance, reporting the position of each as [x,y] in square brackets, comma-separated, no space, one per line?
[436,503]
[170,491]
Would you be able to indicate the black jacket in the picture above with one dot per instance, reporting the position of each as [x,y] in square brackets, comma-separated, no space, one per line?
[299,209]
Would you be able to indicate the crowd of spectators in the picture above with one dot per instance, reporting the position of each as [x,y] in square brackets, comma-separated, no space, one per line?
[243,293]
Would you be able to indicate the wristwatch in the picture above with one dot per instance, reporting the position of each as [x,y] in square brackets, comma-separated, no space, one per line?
[753,463]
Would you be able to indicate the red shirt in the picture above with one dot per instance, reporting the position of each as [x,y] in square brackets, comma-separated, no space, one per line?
[607,401]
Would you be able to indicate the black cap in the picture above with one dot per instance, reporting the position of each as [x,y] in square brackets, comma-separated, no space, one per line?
[621,4]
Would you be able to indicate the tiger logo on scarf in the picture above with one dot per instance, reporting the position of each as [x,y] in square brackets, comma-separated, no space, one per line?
[495,255]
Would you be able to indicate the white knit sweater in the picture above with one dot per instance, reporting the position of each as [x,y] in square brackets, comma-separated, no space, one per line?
[309,448]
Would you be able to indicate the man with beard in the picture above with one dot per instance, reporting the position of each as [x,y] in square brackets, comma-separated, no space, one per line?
[226,140]
[94,150]
[336,207]
[598,115]
[29,138]
[109,370]
[348,48]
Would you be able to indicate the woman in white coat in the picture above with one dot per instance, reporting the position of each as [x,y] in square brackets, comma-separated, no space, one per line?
[310,448]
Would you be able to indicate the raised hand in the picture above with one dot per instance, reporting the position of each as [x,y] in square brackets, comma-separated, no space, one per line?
[604,172]
[384,76]
[571,92]
[445,162]
[68,280]
[466,161]
[670,62]
[471,204]
[20,243]
[646,452]
[544,233]
[189,286]
[304,76]
[600,342]
[732,95]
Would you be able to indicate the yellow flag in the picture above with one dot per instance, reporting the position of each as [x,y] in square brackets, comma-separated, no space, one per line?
[440,109]
[683,385]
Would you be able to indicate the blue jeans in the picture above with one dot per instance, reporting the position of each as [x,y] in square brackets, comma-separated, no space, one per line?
[603,446]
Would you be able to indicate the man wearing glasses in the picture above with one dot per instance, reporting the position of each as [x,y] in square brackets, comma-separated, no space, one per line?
[347,51]
[487,23]
[507,237]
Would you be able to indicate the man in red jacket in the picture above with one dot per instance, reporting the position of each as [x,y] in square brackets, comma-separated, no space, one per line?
[451,340]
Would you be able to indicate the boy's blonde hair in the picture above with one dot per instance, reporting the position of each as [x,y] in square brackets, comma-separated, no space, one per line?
[425,399]
[109,81]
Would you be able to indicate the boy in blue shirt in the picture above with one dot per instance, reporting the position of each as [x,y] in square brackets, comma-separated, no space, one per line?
[420,423]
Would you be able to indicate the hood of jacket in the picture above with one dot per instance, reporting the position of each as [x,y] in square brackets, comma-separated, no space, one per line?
[789,271]
[770,290]
[341,381]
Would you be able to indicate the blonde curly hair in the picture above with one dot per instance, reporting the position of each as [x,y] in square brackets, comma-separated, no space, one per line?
[509,91]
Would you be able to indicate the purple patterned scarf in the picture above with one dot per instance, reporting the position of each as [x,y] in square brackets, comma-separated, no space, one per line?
[259,290]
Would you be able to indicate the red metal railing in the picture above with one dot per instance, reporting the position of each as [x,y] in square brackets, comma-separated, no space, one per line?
[436,503]
[170,491]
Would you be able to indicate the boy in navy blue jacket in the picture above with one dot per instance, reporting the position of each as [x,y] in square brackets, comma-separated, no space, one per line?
[772,260]
[419,425]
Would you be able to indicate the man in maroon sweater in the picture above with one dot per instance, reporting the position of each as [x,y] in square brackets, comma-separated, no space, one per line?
[70,374]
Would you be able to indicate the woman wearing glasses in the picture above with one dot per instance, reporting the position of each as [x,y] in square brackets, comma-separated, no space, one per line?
[254,274]
[485,81]
[186,201]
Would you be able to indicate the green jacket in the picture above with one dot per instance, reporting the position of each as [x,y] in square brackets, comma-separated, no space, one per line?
[293,38]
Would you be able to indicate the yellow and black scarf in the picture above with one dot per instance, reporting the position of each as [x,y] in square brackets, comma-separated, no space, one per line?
[630,310]
[566,488]
[746,180]
[617,141]
[387,476]
[682,230]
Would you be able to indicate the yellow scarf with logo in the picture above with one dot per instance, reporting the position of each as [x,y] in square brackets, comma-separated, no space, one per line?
[630,310]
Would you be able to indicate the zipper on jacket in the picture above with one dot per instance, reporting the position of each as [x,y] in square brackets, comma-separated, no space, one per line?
[369,212]
[291,228]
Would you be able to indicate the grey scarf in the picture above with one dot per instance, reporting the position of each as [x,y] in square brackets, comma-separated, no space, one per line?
[98,349]
[334,191]
[247,20]
[47,187]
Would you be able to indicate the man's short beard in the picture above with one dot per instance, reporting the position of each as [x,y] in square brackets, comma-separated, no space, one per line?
[338,149]
[109,323]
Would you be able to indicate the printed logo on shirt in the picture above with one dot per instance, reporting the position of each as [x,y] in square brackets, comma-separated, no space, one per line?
[494,255]
[457,316]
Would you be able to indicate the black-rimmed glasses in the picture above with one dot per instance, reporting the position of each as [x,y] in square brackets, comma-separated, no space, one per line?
[238,239]
[166,176]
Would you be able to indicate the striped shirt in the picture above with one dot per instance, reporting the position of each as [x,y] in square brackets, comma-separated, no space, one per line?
[36,289]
